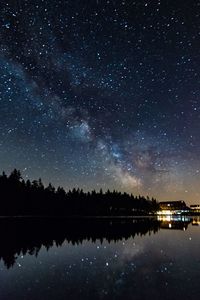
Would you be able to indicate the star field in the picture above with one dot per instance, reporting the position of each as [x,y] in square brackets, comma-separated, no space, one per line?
[102,94]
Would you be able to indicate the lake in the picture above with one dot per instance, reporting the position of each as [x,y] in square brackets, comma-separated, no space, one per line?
[140,258]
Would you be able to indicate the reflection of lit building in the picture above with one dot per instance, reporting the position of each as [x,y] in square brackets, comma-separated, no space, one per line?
[173,207]
[196,221]
[195,208]
[174,222]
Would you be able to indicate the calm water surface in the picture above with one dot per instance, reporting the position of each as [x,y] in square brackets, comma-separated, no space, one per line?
[145,259]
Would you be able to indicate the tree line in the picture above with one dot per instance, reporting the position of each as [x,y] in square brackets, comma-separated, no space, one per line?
[20,197]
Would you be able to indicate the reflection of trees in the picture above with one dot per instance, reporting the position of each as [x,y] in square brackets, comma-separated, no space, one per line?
[32,198]
[27,235]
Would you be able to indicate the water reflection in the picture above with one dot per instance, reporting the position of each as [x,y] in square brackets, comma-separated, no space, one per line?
[196,221]
[100,259]
[174,222]
[27,235]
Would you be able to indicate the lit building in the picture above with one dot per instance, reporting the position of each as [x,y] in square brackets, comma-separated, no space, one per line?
[195,208]
[173,208]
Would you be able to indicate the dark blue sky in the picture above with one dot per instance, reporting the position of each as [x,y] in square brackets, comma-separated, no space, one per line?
[102,94]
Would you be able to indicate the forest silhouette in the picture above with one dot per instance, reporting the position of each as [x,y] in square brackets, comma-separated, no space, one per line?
[26,198]
[35,216]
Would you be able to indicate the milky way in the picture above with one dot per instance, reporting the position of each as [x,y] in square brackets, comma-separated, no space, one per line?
[102,94]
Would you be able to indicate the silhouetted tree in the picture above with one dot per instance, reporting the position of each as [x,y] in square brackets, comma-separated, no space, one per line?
[15,175]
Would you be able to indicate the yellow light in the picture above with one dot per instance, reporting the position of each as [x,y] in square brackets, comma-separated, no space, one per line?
[165,218]
[165,212]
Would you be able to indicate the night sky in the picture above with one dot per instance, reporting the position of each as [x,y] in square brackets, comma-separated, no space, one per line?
[102,94]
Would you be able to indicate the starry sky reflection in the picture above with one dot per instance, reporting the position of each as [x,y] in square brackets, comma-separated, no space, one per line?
[166,263]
